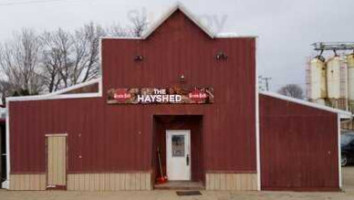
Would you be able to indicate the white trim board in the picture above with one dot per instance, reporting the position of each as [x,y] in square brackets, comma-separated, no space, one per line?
[193,18]
[6,183]
[258,143]
[60,93]
[339,153]
[343,114]
[56,135]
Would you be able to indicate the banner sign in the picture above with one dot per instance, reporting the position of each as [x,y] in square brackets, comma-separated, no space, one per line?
[173,95]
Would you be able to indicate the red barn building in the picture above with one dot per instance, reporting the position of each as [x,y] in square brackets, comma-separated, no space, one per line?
[180,102]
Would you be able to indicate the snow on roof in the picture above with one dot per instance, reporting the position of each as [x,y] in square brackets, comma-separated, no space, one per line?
[184,10]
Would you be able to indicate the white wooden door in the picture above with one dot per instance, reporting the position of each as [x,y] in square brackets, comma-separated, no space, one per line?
[178,155]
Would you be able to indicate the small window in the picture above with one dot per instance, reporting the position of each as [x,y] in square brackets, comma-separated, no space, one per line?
[178,146]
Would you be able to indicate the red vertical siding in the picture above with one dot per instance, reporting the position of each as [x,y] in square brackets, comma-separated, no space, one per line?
[299,146]
[179,47]
[105,137]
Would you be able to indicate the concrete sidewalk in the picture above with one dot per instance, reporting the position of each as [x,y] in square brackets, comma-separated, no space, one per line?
[348,194]
[157,195]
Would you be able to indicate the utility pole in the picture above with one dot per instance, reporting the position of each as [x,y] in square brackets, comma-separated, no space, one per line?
[266,81]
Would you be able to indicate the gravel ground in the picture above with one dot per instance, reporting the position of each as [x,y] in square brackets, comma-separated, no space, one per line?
[348,193]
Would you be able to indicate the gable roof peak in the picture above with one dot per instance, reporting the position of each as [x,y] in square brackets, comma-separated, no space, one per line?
[178,6]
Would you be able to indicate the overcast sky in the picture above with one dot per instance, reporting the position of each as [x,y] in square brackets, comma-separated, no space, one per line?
[286,29]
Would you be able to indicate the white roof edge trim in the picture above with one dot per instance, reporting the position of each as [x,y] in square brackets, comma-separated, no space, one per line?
[185,11]
[64,96]
[227,35]
[189,14]
[343,114]
[233,35]
[59,94]
[121,37]
[218,35]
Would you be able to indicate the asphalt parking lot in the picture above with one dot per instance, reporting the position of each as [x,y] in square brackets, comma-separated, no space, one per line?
[346,194]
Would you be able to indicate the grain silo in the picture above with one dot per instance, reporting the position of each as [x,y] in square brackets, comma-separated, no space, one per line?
[350,65]
[337,82]
[316,80]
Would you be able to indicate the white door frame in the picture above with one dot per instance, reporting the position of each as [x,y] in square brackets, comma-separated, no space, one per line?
[178,168]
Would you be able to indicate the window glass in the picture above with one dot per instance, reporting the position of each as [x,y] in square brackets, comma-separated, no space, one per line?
[178,145]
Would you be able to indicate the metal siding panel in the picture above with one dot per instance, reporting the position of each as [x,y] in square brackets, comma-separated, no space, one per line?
[114,138]
[298,146]
[27,182]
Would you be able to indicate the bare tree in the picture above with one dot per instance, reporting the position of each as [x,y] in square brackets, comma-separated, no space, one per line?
[139,25]
[33,64]
[55,58]
[62,42]
[86,53]
[116,30]
[6,89]
[69,59]
[18,60]
[292,90]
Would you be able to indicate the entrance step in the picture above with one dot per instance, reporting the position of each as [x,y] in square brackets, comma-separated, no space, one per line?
[180,185]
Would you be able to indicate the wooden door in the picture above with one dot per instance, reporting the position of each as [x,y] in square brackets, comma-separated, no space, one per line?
[178,155]
[56,161]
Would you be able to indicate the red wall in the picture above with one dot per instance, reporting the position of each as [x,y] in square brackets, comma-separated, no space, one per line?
[120,137]
[298,146]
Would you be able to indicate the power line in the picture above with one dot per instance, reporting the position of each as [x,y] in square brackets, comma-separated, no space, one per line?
[266,80]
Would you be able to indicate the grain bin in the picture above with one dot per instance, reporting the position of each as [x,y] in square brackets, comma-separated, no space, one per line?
[316,79]
[350,65]
[337,82]
[336,77]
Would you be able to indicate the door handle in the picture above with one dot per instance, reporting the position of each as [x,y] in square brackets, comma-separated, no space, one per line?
[187,159]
